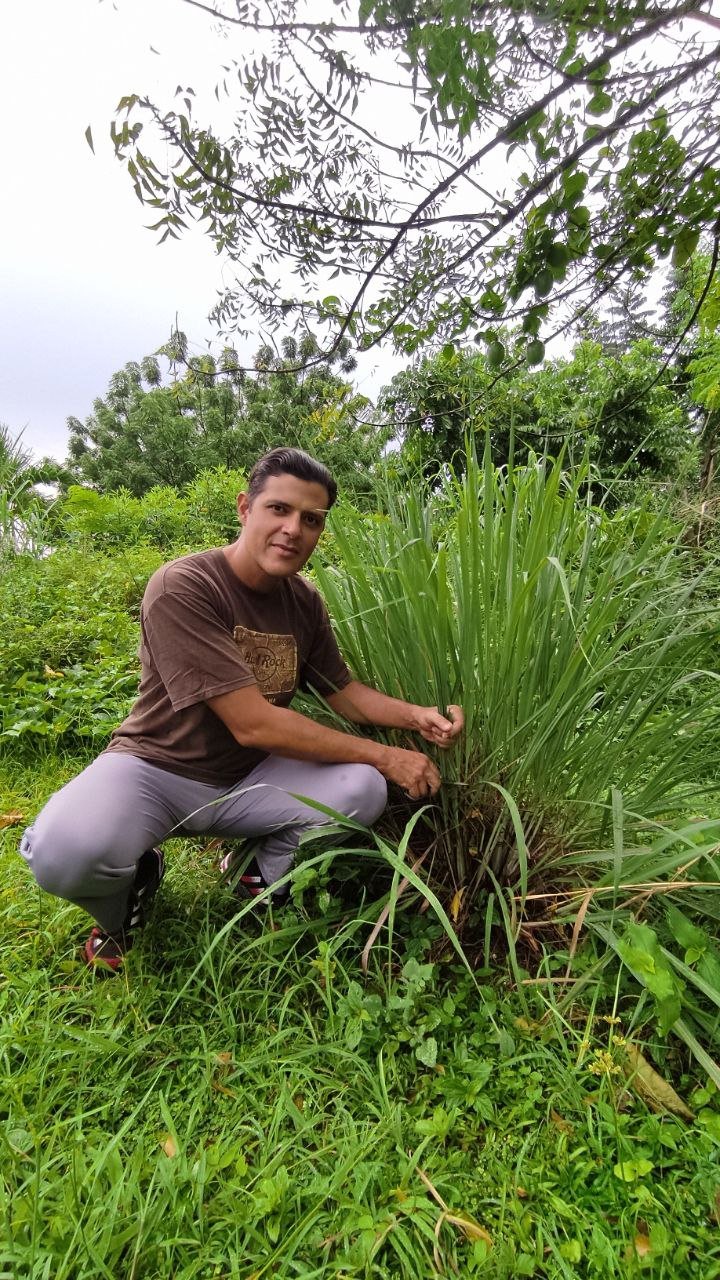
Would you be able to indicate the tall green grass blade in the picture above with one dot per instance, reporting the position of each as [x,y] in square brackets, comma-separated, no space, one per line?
[709,1066]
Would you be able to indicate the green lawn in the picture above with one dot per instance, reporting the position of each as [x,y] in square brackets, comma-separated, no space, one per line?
[245,1102]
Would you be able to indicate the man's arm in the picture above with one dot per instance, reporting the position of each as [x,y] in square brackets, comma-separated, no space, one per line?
[255,722]
[363,705]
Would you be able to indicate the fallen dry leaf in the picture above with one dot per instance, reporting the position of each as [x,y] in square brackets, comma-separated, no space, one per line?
[169,1146]
[12,818]
[467,1224]
[640,1247]
[645,1080]
[221,1088]
[456,904]
[560,1122]
[456,1217]
[223,1061]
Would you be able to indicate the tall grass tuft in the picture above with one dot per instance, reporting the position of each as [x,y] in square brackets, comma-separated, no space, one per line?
[579,643]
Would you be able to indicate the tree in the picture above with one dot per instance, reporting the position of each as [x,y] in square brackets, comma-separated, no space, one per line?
[315,410]
[432,408]
[144,433]
[532,156]
[696,292]
[16,467]
[623,410]
[636,421]
[23,509]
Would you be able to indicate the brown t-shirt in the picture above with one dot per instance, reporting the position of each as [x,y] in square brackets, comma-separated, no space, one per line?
[203,633]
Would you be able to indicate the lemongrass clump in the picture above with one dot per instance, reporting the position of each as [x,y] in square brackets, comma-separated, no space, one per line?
[576,641]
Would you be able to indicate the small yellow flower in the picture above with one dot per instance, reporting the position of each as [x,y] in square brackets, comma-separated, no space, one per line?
[604,1064]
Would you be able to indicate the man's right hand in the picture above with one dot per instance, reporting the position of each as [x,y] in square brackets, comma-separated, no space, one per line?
[411,770]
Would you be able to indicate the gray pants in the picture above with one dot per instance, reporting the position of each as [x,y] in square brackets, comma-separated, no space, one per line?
[85,844]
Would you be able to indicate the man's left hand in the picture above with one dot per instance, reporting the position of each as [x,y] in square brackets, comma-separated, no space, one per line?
[440,730]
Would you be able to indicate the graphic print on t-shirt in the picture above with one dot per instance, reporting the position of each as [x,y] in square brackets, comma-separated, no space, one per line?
[272,658]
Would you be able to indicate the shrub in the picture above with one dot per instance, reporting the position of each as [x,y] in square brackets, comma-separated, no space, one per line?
[70,641]
[581,645]
[202,515]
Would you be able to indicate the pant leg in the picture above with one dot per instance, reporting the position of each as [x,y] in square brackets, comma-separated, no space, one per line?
[85,844]
[264,804]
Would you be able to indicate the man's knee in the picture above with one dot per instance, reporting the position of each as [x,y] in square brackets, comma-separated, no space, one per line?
[364,793]
[66,860]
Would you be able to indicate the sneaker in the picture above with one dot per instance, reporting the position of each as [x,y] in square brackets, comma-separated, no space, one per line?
[252,882]
[110,949]
[103,949]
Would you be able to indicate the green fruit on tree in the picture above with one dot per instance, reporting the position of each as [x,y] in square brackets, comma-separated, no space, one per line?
[495,354]
[543,282]
[535,352]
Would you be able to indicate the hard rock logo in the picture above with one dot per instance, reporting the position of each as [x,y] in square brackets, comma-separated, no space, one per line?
[272,659]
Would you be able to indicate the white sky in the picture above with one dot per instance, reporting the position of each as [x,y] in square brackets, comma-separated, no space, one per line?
[84,286]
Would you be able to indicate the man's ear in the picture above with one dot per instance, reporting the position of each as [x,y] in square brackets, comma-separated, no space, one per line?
[243,506]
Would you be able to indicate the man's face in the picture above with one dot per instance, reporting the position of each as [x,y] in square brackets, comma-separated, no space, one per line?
[281,527]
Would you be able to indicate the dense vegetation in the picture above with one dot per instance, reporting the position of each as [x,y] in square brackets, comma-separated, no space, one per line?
[531,943]
[483,1039]
[144,433]
[248,1102]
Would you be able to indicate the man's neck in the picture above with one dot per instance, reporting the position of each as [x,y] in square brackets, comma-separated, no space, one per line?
[247,571]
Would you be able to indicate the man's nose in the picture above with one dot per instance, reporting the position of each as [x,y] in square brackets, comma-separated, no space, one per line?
[292,524]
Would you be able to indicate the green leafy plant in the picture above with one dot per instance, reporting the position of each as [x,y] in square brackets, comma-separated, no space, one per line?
[572,638]
[70,665]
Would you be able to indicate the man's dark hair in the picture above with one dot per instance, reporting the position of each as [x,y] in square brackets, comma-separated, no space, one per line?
[293,462]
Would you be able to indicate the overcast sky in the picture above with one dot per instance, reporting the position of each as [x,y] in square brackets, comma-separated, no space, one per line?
[84,285]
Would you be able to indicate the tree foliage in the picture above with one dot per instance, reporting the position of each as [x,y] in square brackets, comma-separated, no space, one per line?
[528,156]
[622,409]
[23,507]
[694,294]
[144,433]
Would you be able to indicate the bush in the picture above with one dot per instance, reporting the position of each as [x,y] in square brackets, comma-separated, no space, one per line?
[70,641]
[203,515]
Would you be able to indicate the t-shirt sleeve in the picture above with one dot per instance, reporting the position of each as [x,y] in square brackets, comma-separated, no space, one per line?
[324,669]
[191,648]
